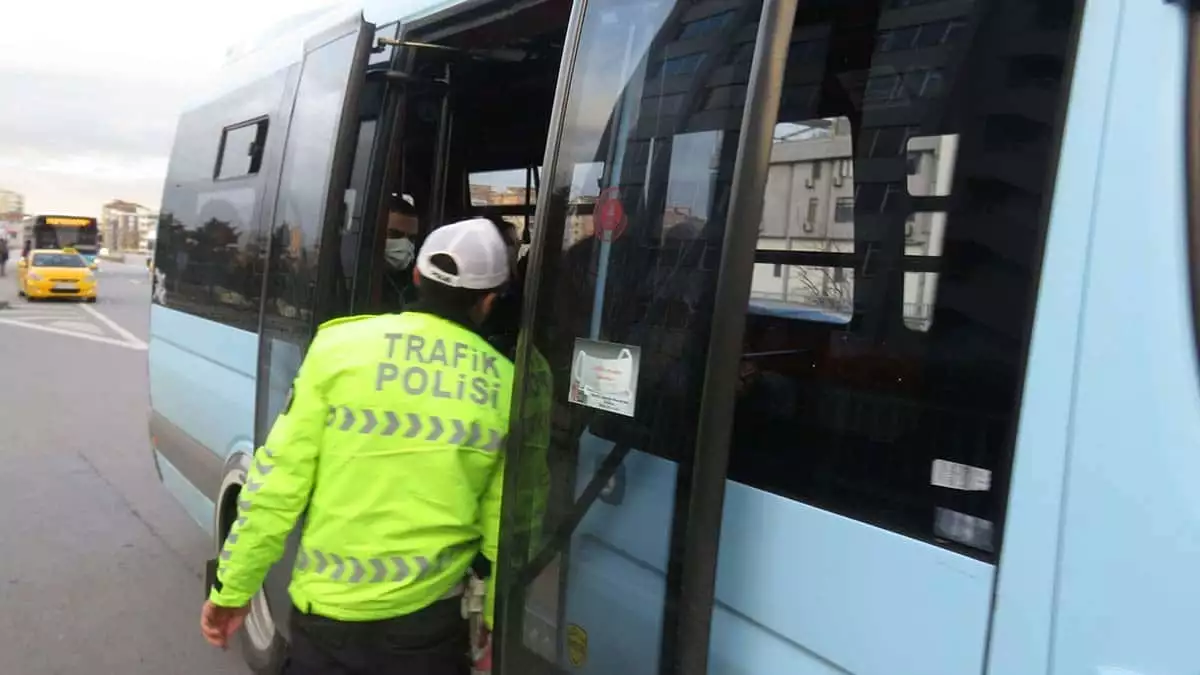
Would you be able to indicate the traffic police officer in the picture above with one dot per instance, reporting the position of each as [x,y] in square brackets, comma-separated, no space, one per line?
[390,442]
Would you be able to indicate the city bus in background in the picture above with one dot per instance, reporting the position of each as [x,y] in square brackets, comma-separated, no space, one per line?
[58,232]
[835,296]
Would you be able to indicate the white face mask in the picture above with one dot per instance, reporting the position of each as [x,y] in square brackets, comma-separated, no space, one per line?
[604,376]
[399,252]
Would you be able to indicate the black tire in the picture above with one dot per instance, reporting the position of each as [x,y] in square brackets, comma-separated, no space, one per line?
[90,301]
[263,661]
[263,647]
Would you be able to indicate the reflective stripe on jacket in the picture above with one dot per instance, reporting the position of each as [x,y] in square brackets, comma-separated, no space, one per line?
[395,425]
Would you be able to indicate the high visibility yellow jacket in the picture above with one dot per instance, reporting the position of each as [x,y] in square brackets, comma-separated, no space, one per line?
[392,438]
[532,485]
[536,419]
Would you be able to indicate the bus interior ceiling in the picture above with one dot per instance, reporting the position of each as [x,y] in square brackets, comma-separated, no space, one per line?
[501,94]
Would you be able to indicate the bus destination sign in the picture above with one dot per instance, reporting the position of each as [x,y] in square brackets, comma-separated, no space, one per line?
[63,221]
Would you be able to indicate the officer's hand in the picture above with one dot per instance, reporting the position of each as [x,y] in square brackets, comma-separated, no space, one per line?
[218,623]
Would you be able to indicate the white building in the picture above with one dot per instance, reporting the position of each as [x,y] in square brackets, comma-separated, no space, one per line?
[127,226]
[810,206]
[12,210]
[11,203]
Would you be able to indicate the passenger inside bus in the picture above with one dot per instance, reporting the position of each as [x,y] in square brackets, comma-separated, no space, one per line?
[400,253]
[504,323]
[457,132]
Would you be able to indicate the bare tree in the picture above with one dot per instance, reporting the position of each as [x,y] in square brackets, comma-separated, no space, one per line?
[823,287]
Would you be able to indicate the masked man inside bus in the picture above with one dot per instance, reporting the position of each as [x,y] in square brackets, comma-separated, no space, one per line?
[399,254]
[504,322]
[390,442]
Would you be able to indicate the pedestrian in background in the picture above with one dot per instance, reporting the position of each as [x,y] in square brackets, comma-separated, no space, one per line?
[3,253]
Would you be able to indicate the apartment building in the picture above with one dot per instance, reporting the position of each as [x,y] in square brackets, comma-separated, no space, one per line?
[128,226]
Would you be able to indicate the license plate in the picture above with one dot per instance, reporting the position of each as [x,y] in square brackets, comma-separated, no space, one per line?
[64,287]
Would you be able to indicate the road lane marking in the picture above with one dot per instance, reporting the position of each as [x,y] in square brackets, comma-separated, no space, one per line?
[80,326]
[130,337]
[138,346]
[30,315]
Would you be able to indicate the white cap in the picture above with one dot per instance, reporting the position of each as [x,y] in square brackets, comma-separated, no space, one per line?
[476,248]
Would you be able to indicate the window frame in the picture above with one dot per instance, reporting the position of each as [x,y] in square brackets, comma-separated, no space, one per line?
[880,193]
[262,123]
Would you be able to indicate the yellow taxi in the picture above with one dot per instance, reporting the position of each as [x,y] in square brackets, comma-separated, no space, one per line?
[56,274]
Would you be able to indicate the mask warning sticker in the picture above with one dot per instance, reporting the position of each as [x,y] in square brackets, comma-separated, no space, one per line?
[604,376]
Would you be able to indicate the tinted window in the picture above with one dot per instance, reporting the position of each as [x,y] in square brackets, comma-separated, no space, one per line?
[705,26]
[902,413]
[242,149]
[212,246]
[352,242]
[304,183]
[58,260]
[682,65]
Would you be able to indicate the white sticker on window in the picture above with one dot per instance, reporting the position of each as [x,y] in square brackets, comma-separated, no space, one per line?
[964,529]
[604,376]
[960,476]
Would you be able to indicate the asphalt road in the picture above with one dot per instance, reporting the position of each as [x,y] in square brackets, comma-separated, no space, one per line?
[100,570]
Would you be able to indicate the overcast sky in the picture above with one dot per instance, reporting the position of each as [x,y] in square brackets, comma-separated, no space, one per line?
[90,92]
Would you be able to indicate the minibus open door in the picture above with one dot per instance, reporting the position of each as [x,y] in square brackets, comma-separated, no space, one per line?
[579,468]
[309,211]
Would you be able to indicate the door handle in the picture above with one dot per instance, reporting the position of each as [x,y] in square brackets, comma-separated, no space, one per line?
[349,201]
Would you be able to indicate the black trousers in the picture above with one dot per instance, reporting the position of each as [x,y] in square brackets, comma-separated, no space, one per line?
[433,641]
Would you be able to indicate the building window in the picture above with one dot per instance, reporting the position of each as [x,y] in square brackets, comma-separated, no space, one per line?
[843,210]
[682,65]
[241,151]
[881,89]
[705,26]
[813,203]
[886,141]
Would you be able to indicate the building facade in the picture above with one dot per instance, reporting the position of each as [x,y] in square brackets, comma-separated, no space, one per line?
[127,226]
[810,206]
[11,203]
[12,210]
